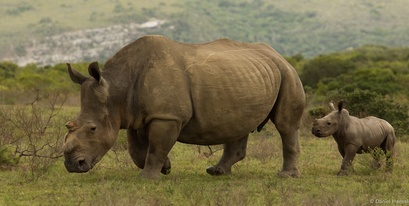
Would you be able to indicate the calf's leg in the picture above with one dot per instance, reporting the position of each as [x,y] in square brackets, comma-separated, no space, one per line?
[350,152]
[232,153]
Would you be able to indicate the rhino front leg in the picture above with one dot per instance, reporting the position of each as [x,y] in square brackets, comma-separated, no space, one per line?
[350,152]
[162,135]
[138,149]
[232,153]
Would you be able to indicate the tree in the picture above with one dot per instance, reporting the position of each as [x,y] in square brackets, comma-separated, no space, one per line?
[324,67]
[7,70]
[363,103]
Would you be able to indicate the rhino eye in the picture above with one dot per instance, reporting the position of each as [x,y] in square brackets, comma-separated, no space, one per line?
[328,123]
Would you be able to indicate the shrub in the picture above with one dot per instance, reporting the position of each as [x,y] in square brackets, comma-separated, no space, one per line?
[7,156]
[362,103]
[31,131]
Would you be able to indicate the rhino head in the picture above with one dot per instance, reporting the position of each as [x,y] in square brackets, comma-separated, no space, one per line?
[330,124]
[91,134]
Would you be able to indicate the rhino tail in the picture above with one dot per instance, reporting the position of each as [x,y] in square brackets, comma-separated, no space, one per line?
[260,126]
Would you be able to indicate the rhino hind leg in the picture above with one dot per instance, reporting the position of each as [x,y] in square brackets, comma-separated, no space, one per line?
[291,148]
[377,154]
[232,153]
[286,116]
[387,147]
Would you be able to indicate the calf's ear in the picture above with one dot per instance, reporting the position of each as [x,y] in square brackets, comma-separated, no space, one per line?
[340,105]
[75,76]
[331,106]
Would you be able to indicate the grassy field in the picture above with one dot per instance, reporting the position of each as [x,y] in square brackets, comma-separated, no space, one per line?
[115,181]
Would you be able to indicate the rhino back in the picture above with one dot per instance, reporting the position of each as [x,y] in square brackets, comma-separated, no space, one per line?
[219,91]
[233,88]
[371,131]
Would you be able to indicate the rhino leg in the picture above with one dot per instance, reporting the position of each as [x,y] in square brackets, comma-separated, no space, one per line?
[349,155]
[287,125]
[376,163]
[232,153]
[286,116]
[138,149]
[162,136]
[387,146]
[291,150]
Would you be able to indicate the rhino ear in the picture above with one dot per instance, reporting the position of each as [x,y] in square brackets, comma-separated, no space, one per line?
[340,105]
[331,106]
[75,76]
[93,70]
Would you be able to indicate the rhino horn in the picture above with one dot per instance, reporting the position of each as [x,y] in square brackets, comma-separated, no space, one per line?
[71,125]
[331,106]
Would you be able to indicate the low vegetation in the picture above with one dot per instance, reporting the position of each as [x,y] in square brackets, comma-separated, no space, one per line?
[115,181]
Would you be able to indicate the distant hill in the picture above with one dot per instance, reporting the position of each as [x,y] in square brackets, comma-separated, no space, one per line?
[45,32]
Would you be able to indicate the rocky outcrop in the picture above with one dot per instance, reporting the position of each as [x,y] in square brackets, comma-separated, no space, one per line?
[84,45]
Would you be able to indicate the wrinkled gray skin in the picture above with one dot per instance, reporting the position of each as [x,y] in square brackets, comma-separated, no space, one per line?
[354,135]
[162,92]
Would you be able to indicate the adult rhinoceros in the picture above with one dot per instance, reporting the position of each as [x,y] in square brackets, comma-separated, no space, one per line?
[163,91]
[354,135]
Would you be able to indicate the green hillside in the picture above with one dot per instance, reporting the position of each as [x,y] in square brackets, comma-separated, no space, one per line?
[309,27]
[24,21]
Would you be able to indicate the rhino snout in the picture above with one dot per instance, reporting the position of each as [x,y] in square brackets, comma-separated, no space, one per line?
[316,132]
[79,165]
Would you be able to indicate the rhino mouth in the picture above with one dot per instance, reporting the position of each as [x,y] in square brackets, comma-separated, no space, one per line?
[79,165]
[318,133]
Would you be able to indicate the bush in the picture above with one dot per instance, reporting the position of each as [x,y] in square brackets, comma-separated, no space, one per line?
[31,131]
[362,103]
[8,157]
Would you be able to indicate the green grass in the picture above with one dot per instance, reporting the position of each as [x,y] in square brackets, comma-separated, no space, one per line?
[115,180]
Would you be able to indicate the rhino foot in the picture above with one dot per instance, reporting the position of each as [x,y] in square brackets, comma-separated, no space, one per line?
[166,167]
[215,171]
[376,164]
[165,171]
[343,173]
[289,173]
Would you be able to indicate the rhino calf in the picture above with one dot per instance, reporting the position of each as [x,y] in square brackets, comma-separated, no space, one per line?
[354,135]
